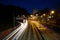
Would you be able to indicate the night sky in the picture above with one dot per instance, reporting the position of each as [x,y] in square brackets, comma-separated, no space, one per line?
[31,4]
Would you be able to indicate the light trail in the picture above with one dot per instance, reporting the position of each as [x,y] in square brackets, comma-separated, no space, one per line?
[19,31]
[42,33]
[33,30]
[37,35]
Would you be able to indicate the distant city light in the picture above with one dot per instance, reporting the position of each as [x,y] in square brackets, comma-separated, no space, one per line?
[47,19]
[44,14]
[41,16]
[36,14]
[31,15]
[52,16]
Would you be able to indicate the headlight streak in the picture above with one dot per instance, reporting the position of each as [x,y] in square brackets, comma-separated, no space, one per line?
[19,31]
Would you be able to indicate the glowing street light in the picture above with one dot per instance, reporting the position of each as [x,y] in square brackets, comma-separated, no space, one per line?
[52,12]
[36,14]
[31,15]
[44,14]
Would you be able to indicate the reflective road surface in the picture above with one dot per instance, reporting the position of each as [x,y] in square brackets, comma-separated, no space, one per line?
[32,30]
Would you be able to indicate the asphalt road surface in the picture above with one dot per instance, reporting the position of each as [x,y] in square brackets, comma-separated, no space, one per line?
[32,30]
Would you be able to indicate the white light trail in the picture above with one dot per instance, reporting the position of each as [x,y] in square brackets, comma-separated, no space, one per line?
[19,31]
[23,27]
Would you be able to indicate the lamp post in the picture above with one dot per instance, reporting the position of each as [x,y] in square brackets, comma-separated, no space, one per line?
[52,14]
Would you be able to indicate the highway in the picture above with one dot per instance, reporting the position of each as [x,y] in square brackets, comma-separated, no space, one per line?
[17,33]
[32,30]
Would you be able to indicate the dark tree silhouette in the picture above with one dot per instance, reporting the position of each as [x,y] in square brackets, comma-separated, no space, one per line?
[8,12]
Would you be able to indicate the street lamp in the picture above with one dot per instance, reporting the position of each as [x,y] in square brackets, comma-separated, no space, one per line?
[31,15]
[52,12]
[44,14]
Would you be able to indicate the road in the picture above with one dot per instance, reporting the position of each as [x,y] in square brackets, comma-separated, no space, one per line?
[32,30]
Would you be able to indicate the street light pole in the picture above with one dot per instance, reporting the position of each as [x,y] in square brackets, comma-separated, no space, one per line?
[52,14]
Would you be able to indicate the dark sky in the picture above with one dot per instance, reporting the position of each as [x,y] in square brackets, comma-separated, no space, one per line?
[31,4]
